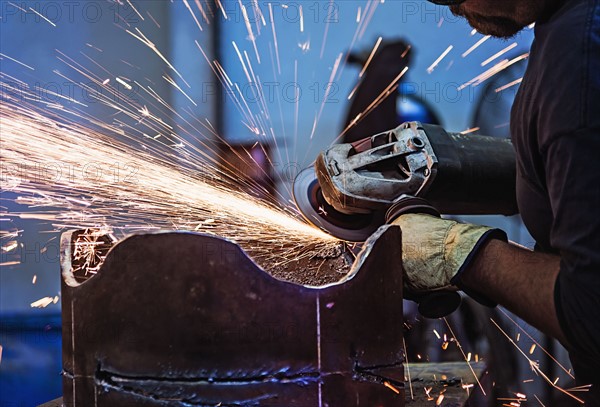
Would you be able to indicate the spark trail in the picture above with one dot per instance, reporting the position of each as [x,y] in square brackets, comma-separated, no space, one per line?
[78,177]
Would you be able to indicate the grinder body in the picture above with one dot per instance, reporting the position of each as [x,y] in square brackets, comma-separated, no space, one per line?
[458,174]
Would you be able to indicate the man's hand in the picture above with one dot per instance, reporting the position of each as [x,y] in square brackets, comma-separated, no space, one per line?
[435,251]
[442,254]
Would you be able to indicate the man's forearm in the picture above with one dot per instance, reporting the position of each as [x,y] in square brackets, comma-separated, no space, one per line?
[520,280]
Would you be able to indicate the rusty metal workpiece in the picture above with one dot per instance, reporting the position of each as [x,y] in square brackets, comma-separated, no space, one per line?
[183,319]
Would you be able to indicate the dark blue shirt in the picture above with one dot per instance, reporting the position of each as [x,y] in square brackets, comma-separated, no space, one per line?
[555,127]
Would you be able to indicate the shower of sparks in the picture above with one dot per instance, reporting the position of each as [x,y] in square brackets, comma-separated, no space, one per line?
[439,59]
[87,252]
[535,365]
[140,185]
[464,355]
[499,67]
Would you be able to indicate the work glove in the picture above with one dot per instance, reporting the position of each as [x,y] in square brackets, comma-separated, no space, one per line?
[436,252]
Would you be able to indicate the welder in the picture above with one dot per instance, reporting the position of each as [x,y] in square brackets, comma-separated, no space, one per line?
[555,128]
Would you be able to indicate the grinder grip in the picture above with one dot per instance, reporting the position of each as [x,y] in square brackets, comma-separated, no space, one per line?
[476,175]
[435,304]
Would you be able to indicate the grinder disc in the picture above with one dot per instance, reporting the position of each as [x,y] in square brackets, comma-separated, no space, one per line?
[315,209]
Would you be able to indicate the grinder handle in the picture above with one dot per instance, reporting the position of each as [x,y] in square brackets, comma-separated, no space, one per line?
[436,304]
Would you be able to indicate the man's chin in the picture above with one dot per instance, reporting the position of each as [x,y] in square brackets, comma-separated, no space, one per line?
[500,27]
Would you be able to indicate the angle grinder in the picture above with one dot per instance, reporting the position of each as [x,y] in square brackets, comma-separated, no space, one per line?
[351,186]
[354,188]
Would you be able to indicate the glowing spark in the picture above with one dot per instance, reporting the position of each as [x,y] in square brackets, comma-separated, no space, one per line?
[16,61]
[476,45]
[536,343]
[144,40]
[473,32]
[301,19]
[43,16]
[106,81]
[353,91]
[326,33]
[439,400]
[464,355]
[222,9]
[42,302]
[275,38]
[358,14]
[509,85]
[187,5]
[17,7]
[534,365]
[391,387]
[328,89]
[251,35]
[153,19]
[304,46]
[125,84]
[439,59]
[499,54]
[135,9]
[34,279]
[176,86]
[362,72]
[382,96]
[499,67]
[408,370]
[532,349]
[10,246]
[437,334]
[471,130]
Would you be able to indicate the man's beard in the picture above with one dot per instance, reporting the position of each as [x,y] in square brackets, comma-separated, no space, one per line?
[502,27]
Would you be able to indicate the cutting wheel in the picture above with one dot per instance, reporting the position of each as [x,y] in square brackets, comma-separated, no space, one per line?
[314,208]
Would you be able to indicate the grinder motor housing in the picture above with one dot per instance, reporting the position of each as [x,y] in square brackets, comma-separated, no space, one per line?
[458,174]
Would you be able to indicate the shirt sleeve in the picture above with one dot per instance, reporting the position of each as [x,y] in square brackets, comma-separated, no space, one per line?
[572,164]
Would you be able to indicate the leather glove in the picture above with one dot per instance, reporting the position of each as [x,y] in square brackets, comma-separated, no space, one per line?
[436,251]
